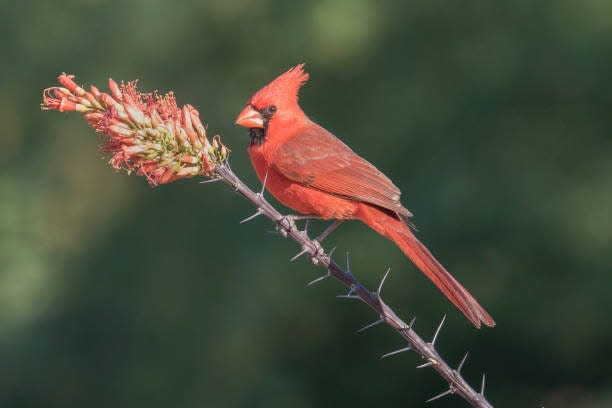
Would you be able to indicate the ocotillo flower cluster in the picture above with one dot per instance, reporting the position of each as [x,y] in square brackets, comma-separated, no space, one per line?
[147,133]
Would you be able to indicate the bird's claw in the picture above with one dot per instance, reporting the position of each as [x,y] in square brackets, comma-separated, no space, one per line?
[318,252]
[282,229]
[318,247]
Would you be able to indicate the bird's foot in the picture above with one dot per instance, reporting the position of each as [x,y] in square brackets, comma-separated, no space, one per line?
[317,252]
[287,224]
[314,253]
[290,220]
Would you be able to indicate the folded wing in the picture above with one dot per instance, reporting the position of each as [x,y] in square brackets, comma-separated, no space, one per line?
[316,158]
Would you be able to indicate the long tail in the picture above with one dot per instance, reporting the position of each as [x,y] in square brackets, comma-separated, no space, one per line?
[397,231]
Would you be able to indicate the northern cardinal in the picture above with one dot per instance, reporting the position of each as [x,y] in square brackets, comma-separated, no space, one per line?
[308,169]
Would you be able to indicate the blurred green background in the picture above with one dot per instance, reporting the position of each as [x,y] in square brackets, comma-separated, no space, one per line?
[494,118]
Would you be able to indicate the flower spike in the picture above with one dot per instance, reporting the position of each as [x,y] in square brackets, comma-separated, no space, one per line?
[147,133]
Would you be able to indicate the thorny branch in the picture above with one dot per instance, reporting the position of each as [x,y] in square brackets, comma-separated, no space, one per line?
[457,384]
[150,135]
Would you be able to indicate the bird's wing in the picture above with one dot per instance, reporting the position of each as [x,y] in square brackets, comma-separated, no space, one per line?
[316,158]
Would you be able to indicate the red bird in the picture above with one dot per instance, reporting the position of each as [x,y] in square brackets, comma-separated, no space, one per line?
[308,169]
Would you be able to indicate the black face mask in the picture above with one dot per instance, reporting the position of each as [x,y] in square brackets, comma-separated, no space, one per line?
[257,136]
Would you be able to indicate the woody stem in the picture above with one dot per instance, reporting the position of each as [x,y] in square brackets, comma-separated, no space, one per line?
[457,384]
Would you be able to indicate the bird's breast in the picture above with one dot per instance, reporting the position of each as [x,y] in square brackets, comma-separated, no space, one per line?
[298,197]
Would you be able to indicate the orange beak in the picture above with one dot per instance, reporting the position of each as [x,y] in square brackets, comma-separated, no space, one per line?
[250,118]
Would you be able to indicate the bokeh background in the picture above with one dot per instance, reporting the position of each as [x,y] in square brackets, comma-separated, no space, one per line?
[494,118]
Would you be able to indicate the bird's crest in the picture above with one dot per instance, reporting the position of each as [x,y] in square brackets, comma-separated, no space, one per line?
[285,86]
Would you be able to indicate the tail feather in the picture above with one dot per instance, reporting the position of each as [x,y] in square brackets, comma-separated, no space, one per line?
[397,231]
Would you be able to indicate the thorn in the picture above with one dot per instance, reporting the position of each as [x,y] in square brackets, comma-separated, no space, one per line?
[482,385]
[331,252]
[302,252]
[263,186]
[305,232]
[461,363]
[212,180]
[328,230]
[319,279]
[427,364]
[410,324]
[382,282]
[249,218]
[348,263]
[396,352]
[349,295]
[364,328]
[435,337]
[444,394]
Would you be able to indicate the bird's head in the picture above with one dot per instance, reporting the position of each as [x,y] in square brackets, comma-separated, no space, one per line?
[276,103]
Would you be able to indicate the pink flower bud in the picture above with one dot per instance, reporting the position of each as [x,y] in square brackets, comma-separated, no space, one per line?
[166,177]
[83,101]
[67,81]
[189,159]
[156,120]
[120,131]
[62,93]
[118,160]
[133,150]
[134,114]
[191,133]
[94,116]
[95,92]
[66,105]
[188,172]
[93,101]
[183,136]
[96,120]
[115,91]
[207,166]
[110,102]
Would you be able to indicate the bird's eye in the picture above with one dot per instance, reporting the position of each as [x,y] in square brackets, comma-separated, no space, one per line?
[268,111]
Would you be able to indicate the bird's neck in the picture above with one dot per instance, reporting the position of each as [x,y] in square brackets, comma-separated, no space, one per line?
[265,142]
[281,128]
